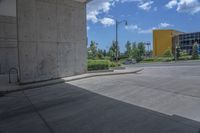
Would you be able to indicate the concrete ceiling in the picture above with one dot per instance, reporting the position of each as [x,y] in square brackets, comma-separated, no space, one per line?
[83,0]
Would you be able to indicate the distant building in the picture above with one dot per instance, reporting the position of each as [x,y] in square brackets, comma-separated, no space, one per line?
[199,47]
[187,40]
[168,39]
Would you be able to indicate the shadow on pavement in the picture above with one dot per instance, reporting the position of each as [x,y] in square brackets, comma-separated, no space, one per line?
[64,108]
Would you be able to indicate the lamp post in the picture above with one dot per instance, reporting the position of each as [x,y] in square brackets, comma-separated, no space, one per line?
[117,25]
[175,40]
[175,48]
[148,47]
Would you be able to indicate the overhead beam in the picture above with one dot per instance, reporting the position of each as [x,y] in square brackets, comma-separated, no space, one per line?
[84,1]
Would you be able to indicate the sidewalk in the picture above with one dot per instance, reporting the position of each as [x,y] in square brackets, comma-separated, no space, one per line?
[5,87]
[66,108]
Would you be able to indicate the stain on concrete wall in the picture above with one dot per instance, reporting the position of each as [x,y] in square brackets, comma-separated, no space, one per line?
[8,43]
[52,39]
[8,8]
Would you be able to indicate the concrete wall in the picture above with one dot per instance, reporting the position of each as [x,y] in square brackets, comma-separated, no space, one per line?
[8,8]
[52,39]
[8,43]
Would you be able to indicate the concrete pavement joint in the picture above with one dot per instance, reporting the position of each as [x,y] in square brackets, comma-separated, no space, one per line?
[40,115]
[63,80]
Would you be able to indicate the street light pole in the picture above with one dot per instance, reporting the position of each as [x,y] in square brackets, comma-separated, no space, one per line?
[177,42]
[116,43]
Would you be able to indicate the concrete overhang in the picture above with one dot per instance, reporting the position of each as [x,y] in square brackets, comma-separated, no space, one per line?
[84,1]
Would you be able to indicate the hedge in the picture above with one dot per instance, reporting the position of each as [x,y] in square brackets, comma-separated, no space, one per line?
[98,65]
[158,59]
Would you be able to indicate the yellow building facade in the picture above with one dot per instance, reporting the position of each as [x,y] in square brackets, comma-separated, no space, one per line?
[162,40]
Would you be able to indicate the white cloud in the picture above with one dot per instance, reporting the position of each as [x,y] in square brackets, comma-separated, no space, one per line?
[88,27]
[136,28]
[146,5]
[147,31]
[93,16]
[186,6]
[122,1]
[107,21]
[132,27]
[165,25]
[97,7]
[142,4]
[171,4]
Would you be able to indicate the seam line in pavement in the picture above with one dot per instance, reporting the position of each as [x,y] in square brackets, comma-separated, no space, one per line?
[69,80]
[41,117]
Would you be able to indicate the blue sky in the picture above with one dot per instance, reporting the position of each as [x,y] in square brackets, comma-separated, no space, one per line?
[142,15]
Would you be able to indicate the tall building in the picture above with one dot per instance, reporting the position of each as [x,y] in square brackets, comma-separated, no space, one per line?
[169,39]
[163,40]
[186,41]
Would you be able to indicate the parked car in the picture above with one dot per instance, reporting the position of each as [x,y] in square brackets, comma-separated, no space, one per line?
[129,61]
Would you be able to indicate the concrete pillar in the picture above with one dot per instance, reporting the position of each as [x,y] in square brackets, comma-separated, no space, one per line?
[51,39]
[8,43]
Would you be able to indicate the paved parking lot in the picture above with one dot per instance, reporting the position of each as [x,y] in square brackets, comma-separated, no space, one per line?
[170,89]
[161,99]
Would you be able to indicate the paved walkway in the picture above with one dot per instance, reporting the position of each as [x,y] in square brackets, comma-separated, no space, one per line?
[65,108]
[167,89]
[151,101]
[6,87]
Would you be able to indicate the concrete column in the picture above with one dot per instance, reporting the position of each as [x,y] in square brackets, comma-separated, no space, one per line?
[51,38]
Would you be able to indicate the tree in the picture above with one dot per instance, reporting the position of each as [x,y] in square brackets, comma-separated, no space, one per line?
[104,53]
[137,51]
[114,51]
[141,47]
[195,52]
[136,54]
[128,49]
[168,53]
[92,50]
[134,45]
[100,54]
[178,52]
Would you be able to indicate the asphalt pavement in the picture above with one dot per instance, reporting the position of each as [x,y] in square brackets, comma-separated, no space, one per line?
[160,99]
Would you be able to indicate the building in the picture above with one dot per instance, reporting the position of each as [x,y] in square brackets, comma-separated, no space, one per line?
[163,40]
[186,41]
[168,39]
[43,39]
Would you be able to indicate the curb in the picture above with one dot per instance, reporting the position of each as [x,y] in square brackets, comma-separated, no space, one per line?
[58,81]
[100,71]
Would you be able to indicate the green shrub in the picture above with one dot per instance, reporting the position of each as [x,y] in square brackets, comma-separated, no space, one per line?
[184,53]
[185,58]
[168,53]
[149,60]
[98,65]
[158,59]
[167,59]
[114,64]
[195,52]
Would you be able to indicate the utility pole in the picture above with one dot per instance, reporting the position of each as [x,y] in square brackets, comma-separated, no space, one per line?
[175,52]
[116,43]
